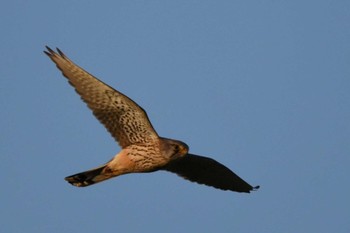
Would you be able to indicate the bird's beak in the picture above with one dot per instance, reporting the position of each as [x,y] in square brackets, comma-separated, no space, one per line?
[184,150]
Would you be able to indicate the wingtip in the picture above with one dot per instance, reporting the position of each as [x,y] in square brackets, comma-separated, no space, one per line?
[49,51]
[61,53]
[252,189]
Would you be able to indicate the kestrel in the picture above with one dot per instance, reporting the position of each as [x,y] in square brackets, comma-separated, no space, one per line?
[142,149]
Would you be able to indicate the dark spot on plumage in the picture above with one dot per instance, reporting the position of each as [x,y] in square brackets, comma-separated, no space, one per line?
[176,149]
[107,170]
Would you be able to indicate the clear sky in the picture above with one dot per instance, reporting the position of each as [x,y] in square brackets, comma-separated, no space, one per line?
[261,86]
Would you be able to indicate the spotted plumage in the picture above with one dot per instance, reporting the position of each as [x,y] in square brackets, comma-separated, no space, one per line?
[142,149]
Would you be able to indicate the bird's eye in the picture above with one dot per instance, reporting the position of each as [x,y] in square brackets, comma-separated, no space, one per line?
[177,148]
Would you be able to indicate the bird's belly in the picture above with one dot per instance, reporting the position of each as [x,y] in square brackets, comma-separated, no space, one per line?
[139,159]
[146,163]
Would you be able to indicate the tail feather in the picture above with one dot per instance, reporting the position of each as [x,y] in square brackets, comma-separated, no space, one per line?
[89,177]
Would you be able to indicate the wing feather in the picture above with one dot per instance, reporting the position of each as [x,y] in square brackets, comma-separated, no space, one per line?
[207,171]
[126,121]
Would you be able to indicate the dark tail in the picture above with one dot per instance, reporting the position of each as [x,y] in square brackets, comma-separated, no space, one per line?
[89,177]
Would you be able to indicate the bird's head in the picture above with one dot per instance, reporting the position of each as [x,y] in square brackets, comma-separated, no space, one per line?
[174,148]
[179,148]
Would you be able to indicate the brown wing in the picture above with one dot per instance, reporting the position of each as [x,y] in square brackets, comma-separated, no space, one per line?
[124,119]
[207,171]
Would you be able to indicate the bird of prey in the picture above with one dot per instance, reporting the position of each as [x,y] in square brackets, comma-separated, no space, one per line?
[143,150]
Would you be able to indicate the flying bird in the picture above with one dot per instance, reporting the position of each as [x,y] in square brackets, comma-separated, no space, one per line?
[142,149]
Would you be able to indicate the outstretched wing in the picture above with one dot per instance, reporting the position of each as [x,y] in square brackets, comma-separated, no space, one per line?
[207,171]
[124,119]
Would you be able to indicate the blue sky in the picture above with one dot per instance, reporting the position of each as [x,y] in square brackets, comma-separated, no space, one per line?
[261,86]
